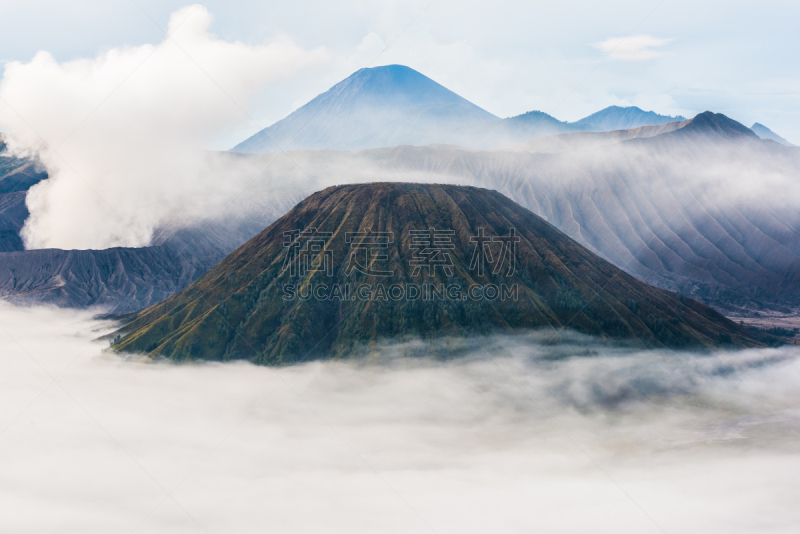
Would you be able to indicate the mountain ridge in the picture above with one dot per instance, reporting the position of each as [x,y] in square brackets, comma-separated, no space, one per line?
[242,309]
[710,123]
[657,205]
[117,280]
[615,118]
[395,105]
[765,133]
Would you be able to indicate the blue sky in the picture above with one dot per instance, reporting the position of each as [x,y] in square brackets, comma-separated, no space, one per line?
[738,58]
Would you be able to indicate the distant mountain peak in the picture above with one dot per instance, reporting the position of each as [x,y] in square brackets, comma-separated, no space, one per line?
[391,84]
[615,118]
[373,107]
[712,123]
[533,114]
[765,133]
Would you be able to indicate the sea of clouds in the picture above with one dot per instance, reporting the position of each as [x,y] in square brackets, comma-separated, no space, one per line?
[517,435]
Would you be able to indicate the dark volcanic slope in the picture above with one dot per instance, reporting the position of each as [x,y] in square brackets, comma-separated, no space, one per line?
[18,174]
[117,279]
[241,308]
[13,213]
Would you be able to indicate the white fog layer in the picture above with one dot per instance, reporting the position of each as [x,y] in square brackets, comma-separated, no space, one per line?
[516,436]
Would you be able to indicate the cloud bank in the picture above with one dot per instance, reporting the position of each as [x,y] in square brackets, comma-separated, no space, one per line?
[120,134]
[632,48]
[537,436]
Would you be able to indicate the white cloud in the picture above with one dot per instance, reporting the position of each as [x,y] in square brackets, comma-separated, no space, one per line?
[632,48]
[132,122]
[701,442]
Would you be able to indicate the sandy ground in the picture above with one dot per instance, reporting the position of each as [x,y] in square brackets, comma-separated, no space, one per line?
[770,320]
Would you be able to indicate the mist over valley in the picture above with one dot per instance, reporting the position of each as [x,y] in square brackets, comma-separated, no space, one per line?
[576,435]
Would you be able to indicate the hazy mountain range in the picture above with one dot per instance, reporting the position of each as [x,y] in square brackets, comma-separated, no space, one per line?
[765,133]
[682,209]
[395,105]
[702,206]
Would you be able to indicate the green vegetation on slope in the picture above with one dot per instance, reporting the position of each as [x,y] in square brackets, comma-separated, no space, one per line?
[260,304]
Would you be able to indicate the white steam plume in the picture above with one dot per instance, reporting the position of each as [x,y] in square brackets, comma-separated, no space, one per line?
[135,163]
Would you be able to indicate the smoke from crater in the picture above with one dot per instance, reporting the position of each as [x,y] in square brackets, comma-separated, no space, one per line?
[121,134]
